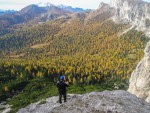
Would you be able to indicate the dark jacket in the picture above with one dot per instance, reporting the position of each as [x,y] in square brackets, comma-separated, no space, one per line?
[62,87]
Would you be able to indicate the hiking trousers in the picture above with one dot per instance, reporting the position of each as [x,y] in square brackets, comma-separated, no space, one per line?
[60,97]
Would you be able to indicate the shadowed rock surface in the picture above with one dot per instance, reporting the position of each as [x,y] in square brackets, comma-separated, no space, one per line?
[94,102]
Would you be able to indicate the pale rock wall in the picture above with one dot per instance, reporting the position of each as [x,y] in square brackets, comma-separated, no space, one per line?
[140,78]
[137,13]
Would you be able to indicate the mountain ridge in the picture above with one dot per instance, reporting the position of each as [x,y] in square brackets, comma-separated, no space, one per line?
[41,14]
[2,12]
[68,8]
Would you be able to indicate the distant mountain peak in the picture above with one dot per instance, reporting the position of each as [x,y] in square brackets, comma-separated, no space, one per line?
[63,6]
[102,4]
[32,9]
[6,11]
[72,9]
[45,4]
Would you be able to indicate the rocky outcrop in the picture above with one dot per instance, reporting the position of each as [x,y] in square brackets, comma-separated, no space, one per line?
[4,107]
[103,13]
[140,78]
[94,102]
[135,12]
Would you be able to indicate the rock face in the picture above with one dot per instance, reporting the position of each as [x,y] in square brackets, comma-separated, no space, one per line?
[94,102]
[140,78]
[4,107]
[135,12]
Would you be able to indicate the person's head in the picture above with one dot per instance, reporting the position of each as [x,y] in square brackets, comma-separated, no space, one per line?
[62,78]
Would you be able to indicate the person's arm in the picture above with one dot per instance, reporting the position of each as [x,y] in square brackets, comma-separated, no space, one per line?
[58,84]
[66,84]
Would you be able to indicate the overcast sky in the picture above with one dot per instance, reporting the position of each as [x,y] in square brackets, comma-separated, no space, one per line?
[19,4]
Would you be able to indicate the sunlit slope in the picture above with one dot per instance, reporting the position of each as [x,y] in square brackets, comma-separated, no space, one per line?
[88,49]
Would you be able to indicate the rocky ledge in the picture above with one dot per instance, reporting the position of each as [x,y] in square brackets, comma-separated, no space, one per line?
[94,102]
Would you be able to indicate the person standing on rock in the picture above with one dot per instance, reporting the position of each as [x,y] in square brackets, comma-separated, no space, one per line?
[62,88]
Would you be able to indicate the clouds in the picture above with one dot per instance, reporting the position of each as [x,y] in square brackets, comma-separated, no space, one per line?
[12,4]
[18,4]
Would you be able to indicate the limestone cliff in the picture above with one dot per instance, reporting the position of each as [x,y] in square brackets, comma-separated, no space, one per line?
[140,78]
[135,12]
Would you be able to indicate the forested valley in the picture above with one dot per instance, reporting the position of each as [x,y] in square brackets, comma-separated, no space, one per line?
[93,55]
